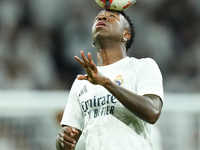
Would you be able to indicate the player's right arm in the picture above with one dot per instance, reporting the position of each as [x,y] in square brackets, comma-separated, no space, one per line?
[67,138]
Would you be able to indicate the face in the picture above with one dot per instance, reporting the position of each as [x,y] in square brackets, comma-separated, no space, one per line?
[110,24]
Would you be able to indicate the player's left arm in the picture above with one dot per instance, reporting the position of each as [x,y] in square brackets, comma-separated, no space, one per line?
[147,107]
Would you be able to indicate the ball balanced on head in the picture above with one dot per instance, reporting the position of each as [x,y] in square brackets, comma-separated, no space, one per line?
[117,5]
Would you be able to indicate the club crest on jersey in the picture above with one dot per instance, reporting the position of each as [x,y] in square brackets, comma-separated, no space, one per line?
[119,80]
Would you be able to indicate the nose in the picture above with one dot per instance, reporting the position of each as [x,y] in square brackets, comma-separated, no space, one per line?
[102,18]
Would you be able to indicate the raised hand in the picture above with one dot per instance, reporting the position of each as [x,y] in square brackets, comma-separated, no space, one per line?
[93,76]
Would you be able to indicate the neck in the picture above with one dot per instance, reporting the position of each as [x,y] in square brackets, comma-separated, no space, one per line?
[109,56]
[109,51]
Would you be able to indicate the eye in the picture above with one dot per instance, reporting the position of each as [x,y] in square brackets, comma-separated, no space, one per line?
[96,18]
[112,16]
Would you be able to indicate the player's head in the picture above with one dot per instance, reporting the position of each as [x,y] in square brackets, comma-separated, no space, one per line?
[115,25]
[132,31]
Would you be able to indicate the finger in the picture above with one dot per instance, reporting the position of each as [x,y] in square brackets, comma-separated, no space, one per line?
[68,144]
[66,140]
[66,147]
[93,66]
[67,136]
[62,144]
[61,134]
[84,58]
[90,58]
[75,130]
[61,140]
[80,61]
[82,77]
[67,131]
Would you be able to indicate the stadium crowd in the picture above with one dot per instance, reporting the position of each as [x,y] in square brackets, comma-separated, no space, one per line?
[38,39]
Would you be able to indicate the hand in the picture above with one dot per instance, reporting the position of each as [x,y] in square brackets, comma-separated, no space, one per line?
[66,137]
[93,76]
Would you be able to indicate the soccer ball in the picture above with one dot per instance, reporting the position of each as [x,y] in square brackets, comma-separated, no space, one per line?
[117,5]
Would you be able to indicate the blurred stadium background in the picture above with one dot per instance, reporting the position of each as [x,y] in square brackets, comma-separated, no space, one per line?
[38,39]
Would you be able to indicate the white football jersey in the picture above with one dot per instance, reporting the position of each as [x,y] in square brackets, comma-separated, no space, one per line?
[106,124]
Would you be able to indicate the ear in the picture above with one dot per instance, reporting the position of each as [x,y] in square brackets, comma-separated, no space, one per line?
[126,34]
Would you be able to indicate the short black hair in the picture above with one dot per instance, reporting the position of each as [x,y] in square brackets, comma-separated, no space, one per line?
[132,28]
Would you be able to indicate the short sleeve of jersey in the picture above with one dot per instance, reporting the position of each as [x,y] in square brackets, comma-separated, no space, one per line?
[149,78]
[73,115]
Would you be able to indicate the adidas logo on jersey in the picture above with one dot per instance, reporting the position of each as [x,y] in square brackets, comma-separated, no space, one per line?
[83,90]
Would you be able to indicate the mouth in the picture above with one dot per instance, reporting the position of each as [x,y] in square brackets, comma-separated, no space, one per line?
[100,24]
